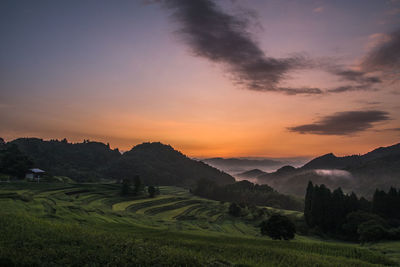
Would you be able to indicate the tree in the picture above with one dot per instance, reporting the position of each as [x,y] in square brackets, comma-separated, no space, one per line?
[13,162]
[234,210]
[137,185]
[278,227]
[308,203]
[338,212]
[125,187]
[2,144]
[151,190]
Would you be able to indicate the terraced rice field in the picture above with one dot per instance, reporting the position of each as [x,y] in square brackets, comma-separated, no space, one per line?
[174,228]
[174,208]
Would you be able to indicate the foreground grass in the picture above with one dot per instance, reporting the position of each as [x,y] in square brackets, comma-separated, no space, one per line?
[90,225]
[25,240]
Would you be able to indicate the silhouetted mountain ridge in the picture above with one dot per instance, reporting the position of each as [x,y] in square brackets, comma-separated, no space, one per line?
[155,163]
[379,168]
[162,165]
[330,161]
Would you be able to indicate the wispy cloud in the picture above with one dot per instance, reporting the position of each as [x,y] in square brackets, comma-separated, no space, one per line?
[343,123]
[223,38]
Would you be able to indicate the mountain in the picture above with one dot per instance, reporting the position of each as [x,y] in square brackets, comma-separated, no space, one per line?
[238,165]
[251,174]
[330,161]
[160,164]
[362,174]
[155,163]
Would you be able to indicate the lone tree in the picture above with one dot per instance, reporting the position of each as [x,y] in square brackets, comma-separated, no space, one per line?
[151,190]
[125,187]
[137,185]
[234,210]
[278,227]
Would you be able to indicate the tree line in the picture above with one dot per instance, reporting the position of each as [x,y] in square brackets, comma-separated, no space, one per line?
[348,217]
[245,192]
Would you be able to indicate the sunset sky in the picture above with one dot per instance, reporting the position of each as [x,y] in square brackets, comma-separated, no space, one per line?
[260,78]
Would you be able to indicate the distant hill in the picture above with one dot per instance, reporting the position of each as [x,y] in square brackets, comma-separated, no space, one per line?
[242,162]
[155,163]
[160,164]
[330,161]
[238,165]
[362,174]
[85,161]
[250,174]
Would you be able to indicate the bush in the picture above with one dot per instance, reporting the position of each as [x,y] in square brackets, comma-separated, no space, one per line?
[393,234]
[278,227]
[355,219]
[371,231]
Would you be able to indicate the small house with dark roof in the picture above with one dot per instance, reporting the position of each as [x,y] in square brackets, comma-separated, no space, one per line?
[34,174]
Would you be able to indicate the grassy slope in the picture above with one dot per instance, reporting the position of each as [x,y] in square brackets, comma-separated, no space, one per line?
[50,224]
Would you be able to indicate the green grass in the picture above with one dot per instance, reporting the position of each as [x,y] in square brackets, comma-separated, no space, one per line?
[91,225]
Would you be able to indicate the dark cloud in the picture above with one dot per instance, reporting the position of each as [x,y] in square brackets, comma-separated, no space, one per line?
[349,88]
[385,56]
[223,38]
[302,90]
[355,80]
[357,76]
[393,129]
[343,123]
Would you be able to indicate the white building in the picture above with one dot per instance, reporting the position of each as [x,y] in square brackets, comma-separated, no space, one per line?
[34,174]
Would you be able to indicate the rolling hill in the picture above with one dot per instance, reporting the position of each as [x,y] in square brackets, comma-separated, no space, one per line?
[155,163]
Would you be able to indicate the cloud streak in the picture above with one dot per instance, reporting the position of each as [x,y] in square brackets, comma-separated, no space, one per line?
[224,38]
[343,123]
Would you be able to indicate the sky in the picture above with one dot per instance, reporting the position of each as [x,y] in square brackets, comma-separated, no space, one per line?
[257,78]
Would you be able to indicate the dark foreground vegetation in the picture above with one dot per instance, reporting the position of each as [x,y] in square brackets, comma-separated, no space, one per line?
[351,218]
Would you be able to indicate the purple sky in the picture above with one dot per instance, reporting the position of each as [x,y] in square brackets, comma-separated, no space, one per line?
[125,72]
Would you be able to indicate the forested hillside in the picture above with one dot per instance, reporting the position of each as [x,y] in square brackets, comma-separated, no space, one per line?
[160,164]
[85,161]
[155,163]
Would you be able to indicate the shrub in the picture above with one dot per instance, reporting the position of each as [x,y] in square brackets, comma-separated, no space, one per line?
[278,227]
[371,231]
